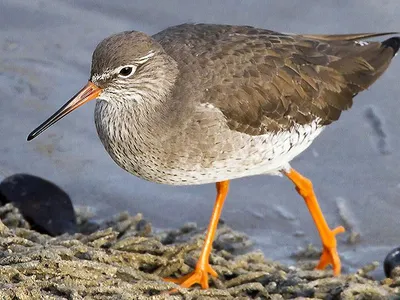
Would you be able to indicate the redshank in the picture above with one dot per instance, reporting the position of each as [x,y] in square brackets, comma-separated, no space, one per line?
[204,103]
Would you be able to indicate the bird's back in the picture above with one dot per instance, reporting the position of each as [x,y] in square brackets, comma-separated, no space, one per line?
[264,81]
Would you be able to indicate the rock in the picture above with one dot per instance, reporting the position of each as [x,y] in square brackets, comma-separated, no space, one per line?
[391,261]
[46,207]
[117,262]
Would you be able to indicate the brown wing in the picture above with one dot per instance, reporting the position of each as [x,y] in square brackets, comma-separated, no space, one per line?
[266,81]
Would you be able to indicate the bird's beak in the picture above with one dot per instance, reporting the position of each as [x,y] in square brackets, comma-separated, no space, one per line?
[89,92]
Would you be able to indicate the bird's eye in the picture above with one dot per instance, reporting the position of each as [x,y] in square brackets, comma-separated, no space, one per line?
[127,71]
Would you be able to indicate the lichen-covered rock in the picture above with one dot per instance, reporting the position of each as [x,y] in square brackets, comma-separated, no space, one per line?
[123,259]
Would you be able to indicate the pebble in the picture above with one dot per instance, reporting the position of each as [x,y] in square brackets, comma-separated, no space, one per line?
[391,262]
[45,206]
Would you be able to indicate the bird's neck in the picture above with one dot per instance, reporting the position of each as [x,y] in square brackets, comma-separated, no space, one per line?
[130,121]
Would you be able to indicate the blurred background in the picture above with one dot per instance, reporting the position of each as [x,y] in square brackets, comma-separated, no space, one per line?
[45,55]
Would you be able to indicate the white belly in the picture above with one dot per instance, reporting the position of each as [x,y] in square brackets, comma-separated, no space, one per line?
[206,154]
[264,154]
[248,156]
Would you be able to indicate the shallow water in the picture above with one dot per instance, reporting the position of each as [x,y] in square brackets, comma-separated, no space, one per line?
[45,52]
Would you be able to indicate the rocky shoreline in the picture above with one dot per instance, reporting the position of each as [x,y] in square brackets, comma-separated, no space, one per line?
[124,259]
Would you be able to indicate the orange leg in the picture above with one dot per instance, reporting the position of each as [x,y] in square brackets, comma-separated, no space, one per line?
[203,268]
[329,251]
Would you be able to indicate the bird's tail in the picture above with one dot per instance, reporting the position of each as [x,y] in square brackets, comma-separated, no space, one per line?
[362,65]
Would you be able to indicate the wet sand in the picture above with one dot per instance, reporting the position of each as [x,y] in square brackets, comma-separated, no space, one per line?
[45,54]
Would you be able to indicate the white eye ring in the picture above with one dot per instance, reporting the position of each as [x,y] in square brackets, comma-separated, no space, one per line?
[126,71]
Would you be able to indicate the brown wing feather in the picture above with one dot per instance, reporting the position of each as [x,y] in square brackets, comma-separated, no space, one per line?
[266,81]
[346,37]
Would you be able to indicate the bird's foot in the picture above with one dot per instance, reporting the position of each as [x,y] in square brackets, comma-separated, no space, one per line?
[199,276]
[329,251]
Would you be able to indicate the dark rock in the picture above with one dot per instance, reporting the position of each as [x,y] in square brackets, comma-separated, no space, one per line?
[44,205]
[391,261]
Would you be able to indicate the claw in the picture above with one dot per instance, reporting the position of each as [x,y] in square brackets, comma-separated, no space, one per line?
[330,255]
[198,276]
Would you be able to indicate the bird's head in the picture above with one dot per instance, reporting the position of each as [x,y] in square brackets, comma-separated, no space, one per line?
[127,68]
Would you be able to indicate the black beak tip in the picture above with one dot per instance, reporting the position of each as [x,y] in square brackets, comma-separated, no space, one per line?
[31,136]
